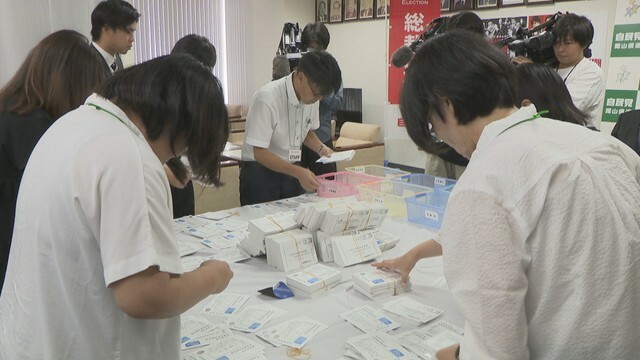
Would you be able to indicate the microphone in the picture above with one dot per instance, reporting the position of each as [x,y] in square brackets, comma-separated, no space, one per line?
[402,56]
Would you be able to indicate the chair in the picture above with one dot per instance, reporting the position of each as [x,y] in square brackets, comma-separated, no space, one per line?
[365,140]
[627,129]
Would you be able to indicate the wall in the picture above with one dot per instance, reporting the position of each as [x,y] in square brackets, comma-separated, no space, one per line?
[360,48]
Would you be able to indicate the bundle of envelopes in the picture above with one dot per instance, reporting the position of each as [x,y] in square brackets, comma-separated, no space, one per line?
[314,280]
[379,283]
[290,250]
[254,244]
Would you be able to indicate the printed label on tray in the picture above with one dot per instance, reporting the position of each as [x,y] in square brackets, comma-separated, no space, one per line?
[431,215]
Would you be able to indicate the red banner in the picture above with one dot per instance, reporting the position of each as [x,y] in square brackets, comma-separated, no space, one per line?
[408,19]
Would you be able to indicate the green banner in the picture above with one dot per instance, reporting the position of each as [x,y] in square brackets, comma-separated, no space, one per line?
[626,40]
[617,102]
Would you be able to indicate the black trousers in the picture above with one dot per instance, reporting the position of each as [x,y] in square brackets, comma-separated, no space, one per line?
[309,158]
[259,184]
[183,201]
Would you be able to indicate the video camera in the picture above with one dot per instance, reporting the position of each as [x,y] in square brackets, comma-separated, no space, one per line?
[291,44]
[538,47]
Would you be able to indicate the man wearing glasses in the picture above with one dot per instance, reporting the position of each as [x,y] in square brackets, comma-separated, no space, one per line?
[279,121]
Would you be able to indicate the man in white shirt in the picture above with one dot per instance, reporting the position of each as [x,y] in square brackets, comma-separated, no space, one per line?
[279,121]
[541,239]
[94,270]
[113,23]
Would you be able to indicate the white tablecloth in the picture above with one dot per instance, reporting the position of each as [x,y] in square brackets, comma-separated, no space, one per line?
[428,287]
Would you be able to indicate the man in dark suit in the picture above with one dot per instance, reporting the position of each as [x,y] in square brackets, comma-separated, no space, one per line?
[113,23]
[627,129]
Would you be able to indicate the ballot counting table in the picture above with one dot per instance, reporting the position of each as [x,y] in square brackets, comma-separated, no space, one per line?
[428,287]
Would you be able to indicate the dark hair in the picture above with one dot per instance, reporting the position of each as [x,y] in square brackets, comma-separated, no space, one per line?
[176,93]
[577,27]
[116,14]
[462,67]
[57,76]
[466,20]
[321,69]
[199,47]
[546,90]
[315,33]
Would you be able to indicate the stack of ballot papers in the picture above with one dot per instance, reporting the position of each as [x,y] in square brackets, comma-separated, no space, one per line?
[369,320]
[426,340]
[254,244]
[337,156]
[215,341]
[290,250]
[310,215]
[324,242]
[254,317]
[354,249]
[378,346]
[378,283]
[412,309]
[295,333]
[314,280]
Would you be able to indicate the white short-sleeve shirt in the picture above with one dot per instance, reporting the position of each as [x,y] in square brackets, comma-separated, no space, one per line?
[277,120]
[541,243]
[93,208]
[585,83]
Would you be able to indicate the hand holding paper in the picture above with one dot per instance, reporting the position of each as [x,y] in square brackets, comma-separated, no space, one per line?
[337,156]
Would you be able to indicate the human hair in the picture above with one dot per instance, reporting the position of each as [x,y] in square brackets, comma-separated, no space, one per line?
[577,27]
[463,68]
[322,69]
[466,20]
[545,89]
[315,33]
[57,76]
[116,14]
[197,46]
[178,95]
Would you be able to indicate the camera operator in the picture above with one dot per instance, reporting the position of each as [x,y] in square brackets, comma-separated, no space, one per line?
[573,34]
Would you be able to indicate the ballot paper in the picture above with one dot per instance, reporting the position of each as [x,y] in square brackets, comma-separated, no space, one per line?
[267,225]
[379,346]
[225,304]
[369,320]
[294,333]
[219,215]
[231,348]
[185,222]
[379,283]
[230,255]
[425,341]
[197,332]
[354,249]
[191,263]
[225,240]
[385,241]
[254,317]
[337,156]
[185,248]
[412,309]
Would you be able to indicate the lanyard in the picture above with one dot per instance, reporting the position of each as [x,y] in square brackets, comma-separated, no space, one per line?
[535,116]
[107,111]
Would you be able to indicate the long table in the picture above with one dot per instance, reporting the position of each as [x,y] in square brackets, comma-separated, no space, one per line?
[428,287]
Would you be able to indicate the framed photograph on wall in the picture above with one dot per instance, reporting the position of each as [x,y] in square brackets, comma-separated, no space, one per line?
[335,11]
[382,9]
[461,5]
[445,6]
[367,9]
[505,3]
[529,2]
[486,4]
[322,11]
[350,10]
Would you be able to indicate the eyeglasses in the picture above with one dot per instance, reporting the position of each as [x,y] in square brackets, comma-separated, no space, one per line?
[311,87]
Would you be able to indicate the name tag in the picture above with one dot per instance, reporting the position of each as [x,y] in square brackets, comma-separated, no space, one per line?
[295,155]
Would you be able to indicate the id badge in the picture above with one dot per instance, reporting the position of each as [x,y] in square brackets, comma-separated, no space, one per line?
[295,155]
